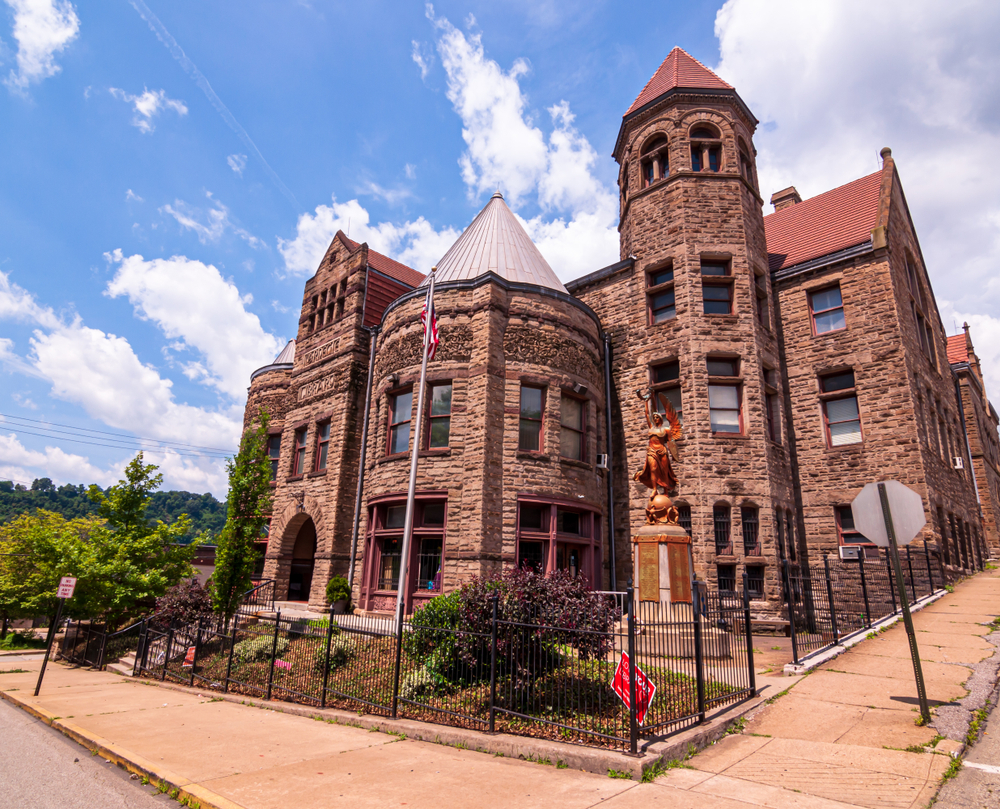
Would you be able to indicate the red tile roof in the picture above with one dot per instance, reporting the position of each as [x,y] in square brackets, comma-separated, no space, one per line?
[679,69]
[824,224]
[384,264]
[958,348]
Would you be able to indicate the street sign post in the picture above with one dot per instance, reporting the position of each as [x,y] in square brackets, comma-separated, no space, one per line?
[889,514]
[67,584]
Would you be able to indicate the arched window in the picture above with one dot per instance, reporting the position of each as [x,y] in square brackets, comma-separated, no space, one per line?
[706,148]
[655,162]
[746,163]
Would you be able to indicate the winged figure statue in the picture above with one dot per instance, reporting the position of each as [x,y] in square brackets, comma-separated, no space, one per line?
[658,471]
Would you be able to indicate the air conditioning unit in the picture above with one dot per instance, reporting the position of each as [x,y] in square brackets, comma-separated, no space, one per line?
[850,553]
[959,463]
[602,461]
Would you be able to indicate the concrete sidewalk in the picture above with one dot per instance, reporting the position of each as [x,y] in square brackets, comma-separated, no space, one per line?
[845,736]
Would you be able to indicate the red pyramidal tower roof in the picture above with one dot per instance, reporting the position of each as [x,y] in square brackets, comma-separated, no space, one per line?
[679,69]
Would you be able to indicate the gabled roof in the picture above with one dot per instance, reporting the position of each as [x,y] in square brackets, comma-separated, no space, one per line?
[495,242]
[384,264]
[958,348]
[679,69]
[824,224]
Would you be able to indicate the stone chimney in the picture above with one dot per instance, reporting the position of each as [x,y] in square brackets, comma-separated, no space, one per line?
[782,199]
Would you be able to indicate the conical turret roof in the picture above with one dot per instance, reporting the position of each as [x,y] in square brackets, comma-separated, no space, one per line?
[679,69]
[495,242]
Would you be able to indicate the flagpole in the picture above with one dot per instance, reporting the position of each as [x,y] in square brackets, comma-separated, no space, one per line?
[404,562]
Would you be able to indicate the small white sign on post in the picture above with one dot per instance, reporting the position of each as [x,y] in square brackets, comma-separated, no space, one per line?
[906,506]
[66,586]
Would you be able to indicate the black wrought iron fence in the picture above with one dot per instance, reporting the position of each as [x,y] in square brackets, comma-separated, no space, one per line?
[83,643]
[551,680]
[838,598]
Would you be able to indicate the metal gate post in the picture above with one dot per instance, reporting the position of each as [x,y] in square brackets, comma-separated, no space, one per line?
[829,596]
[749,633]
[326,668]
[930,574]
[166,656]
[785,576]
[197,645]
[274,653]
[699,655]
[493,667]
[864,590]
[232,651]
[100,651]
[633,723]
[399,660]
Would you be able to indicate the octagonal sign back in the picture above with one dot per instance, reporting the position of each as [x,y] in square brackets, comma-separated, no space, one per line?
[907,510]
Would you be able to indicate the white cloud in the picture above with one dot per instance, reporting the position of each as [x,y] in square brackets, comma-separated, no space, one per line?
[24,400]
[17,303]
[191,302]
[423,56]
[237,162]
[832,89]
[216,221]
[416,244]
[411,171]
[131,196]
[21,463]
[42,29]
[148,106]
[392,196]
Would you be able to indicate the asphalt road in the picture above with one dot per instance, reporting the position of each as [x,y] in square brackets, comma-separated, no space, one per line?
[42,769]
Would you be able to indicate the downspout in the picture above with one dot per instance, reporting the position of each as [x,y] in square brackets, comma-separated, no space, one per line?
[610,469]
[373,339]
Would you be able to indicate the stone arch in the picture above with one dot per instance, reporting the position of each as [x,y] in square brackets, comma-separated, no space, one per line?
[303,561]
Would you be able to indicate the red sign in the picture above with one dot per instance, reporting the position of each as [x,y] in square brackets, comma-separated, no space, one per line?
[189,658]
[66,586]
[645,689]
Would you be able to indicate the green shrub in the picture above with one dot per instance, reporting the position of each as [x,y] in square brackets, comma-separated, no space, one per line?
[338,590]
[342,651]
[254,650]
[432,640]
[421,683]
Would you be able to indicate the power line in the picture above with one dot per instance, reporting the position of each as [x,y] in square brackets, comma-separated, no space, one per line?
[150,450]
[48,425]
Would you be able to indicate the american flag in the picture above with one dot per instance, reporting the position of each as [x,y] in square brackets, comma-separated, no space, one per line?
[434,339]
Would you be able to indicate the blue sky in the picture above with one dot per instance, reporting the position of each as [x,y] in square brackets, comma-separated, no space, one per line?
[173,171]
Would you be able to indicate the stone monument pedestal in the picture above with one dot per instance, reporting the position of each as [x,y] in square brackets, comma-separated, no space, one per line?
[661,559]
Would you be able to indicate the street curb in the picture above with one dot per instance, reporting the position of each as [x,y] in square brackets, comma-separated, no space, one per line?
[861,635]
[680,746]
[166,781]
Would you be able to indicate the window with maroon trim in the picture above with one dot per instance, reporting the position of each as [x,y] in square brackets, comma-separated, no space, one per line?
[322,445]
[655,162]
[826,308]
[841,417]
[772,405]
[274,453]
[755,581]
[439,420]
[716,287]
[389,522]
[750,523]
[725,393]
[400,415]
[299,454]
[553,536]
[660,295]
[847,534]
[706,149]
[572,427]
[530,421]
[665,378]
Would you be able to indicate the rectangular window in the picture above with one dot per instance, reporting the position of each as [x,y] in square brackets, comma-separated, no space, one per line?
[400,413]
[570,522]
[763,312]
[843,420]
[660,294]
[827,310]
[439,432]
[389,563]
[274,453]
[531,554]
[530,425]
[429,564]
[572,431]
[755,581]
[717,299]
[666,382]
[845,527]
[751,535]
[723,530]
[727,578]
[684,517]
[723,367]
[395,517]
[533,518]
[433,515]
[322,445]
[695,157]
[773,412]
[724,408]
[299,457]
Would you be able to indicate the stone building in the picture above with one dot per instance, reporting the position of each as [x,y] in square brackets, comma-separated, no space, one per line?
[803,351]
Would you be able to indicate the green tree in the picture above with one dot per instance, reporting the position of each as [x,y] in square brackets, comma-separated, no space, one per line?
[247,508]
[134,562]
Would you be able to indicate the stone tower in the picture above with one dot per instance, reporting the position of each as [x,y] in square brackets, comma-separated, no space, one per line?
[690,312]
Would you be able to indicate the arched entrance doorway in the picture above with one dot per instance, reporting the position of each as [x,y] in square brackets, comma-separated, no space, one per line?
[303,560]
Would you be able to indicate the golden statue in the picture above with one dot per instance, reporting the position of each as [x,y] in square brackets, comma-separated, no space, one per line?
[658,471]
